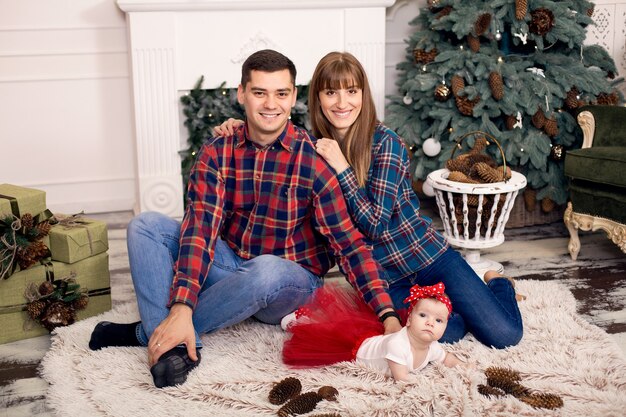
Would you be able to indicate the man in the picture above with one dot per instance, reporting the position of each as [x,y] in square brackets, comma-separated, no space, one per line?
[265,220]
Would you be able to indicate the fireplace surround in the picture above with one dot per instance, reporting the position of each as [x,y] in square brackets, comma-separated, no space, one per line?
[174,42]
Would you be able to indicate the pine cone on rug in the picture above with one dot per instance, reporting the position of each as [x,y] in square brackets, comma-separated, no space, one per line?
[328,393]
[502,373]
[327,415]
[489,391]
[285,390]
[302,404]
[543,400]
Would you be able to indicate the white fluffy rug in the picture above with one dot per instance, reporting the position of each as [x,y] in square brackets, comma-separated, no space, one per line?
[560,353]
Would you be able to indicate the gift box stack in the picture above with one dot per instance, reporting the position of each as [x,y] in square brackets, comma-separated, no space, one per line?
[54,268]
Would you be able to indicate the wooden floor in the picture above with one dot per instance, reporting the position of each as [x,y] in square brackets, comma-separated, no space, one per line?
[597,280]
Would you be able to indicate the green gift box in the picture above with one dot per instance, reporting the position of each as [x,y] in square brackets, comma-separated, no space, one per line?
[92,274]
[78,240]
[20,200]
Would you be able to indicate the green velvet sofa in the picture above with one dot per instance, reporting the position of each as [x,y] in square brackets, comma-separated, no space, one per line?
[597,176]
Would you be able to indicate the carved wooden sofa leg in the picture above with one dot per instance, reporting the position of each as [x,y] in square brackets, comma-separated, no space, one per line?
[574,221]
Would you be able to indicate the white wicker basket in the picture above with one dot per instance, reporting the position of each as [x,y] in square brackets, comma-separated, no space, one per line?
[475,227]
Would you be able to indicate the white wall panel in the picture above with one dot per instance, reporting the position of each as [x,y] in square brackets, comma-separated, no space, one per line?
[66,122]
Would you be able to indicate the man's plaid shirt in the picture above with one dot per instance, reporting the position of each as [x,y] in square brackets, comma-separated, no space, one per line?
[282,200]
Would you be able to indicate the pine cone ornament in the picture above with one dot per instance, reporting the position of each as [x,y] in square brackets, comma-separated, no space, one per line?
[557,152]
[81,302]
[521,7]
[551,127]
[43,229]
[432,4]
[496,85]
[606,99]
[543,400]
[423,57]
[46,288]
[457,83]
[57,314]
[571,100]
[482,24]
[35,308]
[509,122]
[542,21]
[442,92]
[488,391]
[530,199]
[27,221]
[285,390]
[473,42]
[590,10]
[443,12]
[328,393]
[465,105]
[547,205]
[302,404]
[539,119]
[29,255]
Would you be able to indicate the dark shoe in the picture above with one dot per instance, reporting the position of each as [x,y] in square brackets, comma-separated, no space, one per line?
[173,367]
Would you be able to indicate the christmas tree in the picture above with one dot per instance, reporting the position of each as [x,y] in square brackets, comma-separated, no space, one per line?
[515,69]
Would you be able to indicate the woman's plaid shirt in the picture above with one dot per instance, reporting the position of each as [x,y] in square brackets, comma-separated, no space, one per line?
[282,200]
[387,210]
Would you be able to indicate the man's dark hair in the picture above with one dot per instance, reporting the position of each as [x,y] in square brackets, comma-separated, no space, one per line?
[267,60]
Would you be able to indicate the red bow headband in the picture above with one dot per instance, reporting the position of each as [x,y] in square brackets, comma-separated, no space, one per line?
[433,291]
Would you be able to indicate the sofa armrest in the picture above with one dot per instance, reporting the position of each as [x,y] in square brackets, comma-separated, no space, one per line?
[602,125]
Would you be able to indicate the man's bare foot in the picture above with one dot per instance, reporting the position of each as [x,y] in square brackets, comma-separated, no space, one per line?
[489,275]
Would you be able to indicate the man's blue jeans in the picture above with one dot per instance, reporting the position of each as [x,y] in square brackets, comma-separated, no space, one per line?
[489,312]
[266,287]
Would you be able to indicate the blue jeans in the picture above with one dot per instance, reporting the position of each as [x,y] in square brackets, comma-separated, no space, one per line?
[490,312]
[266,287]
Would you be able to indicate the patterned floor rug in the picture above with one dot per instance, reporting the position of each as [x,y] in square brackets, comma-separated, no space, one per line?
[560,354]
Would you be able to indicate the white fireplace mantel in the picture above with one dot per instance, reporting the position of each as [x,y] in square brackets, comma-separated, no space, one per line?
[174,42]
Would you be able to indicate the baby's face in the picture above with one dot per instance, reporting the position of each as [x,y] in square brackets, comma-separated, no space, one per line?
[428,320]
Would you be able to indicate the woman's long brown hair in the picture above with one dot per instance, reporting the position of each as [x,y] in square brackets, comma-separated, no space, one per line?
[341,70]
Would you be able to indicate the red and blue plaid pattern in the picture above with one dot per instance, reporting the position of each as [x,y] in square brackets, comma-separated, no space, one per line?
[386,211]
[282,200]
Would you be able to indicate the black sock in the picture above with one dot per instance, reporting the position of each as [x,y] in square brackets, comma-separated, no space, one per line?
[107,334]
[173,367]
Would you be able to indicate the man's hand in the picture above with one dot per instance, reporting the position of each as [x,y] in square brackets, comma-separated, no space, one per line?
[391,323]
[330,151]
[177,328]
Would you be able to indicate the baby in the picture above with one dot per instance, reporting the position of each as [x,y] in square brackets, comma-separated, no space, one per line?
[337,326]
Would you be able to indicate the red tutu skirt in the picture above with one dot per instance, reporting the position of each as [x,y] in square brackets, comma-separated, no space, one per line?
[330,328]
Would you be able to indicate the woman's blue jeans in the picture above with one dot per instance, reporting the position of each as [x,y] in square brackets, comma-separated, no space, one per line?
[266,287]
[490,312]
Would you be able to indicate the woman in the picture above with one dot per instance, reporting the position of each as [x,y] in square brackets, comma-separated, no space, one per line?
[372,166]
